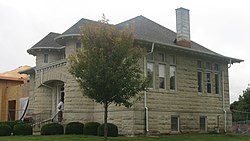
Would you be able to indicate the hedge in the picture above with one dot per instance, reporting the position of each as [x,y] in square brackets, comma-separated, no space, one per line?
[112,130]
[52,129]
[5,130]
[90,128]
[22,129]
[74,128]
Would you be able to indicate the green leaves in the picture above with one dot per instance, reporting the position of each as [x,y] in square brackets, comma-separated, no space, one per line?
[107,69]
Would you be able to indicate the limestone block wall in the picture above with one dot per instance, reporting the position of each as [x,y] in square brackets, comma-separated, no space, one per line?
[53,55]
[185,102]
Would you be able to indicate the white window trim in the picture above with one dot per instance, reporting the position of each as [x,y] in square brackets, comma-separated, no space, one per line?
[205,123]
[164,76]
[153,73]
[175,83]
[178,124]
[202,82]
[211,82]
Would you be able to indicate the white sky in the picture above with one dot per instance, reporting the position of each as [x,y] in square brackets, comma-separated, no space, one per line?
[220,25]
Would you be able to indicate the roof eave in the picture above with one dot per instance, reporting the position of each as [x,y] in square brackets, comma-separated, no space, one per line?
[189,50]
[61,39]
[32,50]
[28,71]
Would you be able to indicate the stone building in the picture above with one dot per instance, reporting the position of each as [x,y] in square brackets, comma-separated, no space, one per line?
[13,94]
[189,90]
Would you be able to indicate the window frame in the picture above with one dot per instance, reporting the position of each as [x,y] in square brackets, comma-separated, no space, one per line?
[217,83]
[202,89]
[170,82]
[164,77]
[77,45]
[153,74]
[173,129]
[209,82]
[46,58]
[161,57]
[205,124]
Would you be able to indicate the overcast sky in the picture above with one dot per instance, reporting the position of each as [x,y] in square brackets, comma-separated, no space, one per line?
[220,25]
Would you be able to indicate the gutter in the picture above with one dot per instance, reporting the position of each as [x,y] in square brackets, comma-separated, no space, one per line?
[223,99]
[145,92]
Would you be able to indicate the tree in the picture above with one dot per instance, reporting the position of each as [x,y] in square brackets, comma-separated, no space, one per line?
[107,68]
[241,108]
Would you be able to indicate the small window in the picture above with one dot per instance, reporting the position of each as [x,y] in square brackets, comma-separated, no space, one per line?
[216,67]
[150,74]
[217,83]
[150,56]
[203,125]
[45,58]
[209,83]
[208,65]
[78,45]
[174,123]
[199,76]
[172,78]
[161,57]
[162,76]
[172,59]
[199,64]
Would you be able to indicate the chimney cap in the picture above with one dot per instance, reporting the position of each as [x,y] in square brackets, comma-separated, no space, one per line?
[181,8]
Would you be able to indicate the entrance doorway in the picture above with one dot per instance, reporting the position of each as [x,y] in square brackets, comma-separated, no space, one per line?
[12,110]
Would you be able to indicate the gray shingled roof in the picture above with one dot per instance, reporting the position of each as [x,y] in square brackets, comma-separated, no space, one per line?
[143,29]
[75,29]
[147,30]
[48,41]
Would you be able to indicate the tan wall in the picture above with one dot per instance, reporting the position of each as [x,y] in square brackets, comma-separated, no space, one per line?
[53,55]
[11,90]
[184,102]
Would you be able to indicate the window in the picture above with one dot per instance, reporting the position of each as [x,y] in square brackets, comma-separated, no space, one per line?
[46,58]
[217,83]
[199,64]
[203,126]
[199,76]
[209,88]
[162,76]
[174,123]
[216,67]
[150,56]
[78,45]
[150,74]
[172,60]
[172,78]
[208,66]
[161,57]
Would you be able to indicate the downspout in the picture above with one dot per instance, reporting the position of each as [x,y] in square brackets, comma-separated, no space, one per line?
[223,97]
[145,92]
[42,81]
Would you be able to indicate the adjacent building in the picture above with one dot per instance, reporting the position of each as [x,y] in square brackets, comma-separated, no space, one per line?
[13,94]
[189,90]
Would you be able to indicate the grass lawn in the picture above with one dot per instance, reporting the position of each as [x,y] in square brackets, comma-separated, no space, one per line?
[184,137]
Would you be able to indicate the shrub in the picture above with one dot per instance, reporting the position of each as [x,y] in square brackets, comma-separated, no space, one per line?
[5,130]
[90,128]
[22,129]
[112,130]
[74,128]
[52,129]
[11,123]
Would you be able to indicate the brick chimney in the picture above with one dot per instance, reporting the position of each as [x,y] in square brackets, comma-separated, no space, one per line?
[183,27]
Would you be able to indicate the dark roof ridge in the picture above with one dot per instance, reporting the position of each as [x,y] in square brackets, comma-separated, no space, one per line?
[143,17]
[79,22]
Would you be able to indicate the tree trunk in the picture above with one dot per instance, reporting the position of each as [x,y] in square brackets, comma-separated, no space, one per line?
[105,121]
